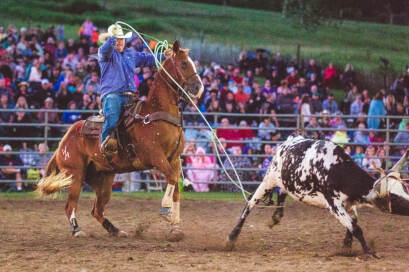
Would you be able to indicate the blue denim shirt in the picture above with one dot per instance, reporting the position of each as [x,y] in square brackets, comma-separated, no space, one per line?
[117,69]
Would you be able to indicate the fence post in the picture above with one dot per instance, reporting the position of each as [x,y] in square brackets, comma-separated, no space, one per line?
[46,128]
[388,141]
[215,131]
[298,54]
[298,125]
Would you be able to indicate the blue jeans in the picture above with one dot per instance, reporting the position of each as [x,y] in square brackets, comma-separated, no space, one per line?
[112,105]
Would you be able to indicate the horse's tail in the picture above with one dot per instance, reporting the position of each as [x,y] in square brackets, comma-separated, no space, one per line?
[53,180]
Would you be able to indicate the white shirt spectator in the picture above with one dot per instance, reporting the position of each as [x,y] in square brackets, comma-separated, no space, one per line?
[35,75]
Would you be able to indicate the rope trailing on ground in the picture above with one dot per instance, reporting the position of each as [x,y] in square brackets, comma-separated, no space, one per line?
[160,47]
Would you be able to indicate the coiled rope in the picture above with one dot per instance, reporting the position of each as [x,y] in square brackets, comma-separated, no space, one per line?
[161,47]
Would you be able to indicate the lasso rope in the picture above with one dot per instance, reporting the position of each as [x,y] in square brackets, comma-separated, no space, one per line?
[160,47]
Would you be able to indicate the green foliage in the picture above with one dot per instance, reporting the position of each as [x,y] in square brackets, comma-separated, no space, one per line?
[308,14]
[101,20]
[81,6]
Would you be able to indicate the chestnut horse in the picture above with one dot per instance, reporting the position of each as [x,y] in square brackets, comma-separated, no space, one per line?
[158,145]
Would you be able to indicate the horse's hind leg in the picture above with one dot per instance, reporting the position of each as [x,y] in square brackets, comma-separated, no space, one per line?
[72,201]
[102,185]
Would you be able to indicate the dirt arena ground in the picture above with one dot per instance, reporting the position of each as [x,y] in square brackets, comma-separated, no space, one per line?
[35,236]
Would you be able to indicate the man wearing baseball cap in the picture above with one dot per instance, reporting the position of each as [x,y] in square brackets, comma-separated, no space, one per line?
[117,65]
[12,172]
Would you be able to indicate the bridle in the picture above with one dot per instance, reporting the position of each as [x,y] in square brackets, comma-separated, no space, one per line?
[181,80]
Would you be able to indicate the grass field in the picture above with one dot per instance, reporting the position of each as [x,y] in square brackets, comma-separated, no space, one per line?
[138,195]
[360,44]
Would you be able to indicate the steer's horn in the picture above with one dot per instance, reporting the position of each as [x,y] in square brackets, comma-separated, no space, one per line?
[380,170]
[398,166]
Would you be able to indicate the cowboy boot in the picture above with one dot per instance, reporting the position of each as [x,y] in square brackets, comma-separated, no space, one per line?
[109,148]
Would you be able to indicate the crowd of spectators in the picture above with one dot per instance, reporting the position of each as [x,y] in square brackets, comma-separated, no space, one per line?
[40,69]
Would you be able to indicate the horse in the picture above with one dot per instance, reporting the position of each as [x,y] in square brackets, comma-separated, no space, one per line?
[158,144]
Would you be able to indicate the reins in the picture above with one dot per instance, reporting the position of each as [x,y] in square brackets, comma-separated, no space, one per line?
[162,46]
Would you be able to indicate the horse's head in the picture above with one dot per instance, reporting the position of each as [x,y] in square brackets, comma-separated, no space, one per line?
[184,70]
[389,192]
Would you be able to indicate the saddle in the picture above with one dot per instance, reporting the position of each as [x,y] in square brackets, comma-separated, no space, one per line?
[93,125]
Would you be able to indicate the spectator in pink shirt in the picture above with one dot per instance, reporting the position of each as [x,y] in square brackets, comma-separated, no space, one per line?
[200,177]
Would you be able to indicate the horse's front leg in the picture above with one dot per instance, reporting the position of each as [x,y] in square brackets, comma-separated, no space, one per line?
[176,232]
[170,209]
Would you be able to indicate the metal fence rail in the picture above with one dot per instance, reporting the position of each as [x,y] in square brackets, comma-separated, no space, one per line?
[214,118]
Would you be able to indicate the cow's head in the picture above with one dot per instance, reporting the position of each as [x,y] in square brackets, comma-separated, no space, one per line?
[389,192]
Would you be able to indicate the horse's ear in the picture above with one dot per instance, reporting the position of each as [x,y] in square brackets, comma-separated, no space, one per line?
[176,46]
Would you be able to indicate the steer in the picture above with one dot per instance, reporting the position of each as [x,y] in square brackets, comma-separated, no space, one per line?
[320,173]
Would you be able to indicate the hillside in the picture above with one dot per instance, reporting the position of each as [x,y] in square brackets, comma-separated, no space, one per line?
[358,43]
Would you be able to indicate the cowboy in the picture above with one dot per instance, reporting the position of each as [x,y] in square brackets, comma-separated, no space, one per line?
[117,65]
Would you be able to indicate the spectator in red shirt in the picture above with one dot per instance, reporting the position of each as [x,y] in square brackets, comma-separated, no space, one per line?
[241,96]
[236,76]
[293,78]
[245,133]
[228,133]
[330,76]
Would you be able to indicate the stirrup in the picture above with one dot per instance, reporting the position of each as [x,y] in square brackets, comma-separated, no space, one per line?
[130,151]
[109,148]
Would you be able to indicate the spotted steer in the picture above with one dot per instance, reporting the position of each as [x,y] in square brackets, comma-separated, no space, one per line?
[320,173]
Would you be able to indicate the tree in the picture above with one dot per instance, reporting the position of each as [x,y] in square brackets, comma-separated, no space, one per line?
[309,14]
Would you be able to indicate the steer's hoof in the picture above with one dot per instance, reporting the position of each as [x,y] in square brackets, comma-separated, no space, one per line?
[373,255]
[79,233]
[369,255]
[176,234]
[229,245]
[122,234]
[165,213]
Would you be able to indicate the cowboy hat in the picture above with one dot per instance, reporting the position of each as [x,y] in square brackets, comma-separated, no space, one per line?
[116,31]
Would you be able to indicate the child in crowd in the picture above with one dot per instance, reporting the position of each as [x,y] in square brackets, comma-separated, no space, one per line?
[359,155]
[370,162]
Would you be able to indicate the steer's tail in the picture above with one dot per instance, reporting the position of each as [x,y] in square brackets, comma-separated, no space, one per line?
[53,180]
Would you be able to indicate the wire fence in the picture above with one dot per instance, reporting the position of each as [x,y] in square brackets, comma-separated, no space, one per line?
[40,132]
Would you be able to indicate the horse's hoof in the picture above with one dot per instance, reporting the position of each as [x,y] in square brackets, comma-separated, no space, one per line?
[229,245]
[166,214]
[79,233]
[164,211]
[176,234]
